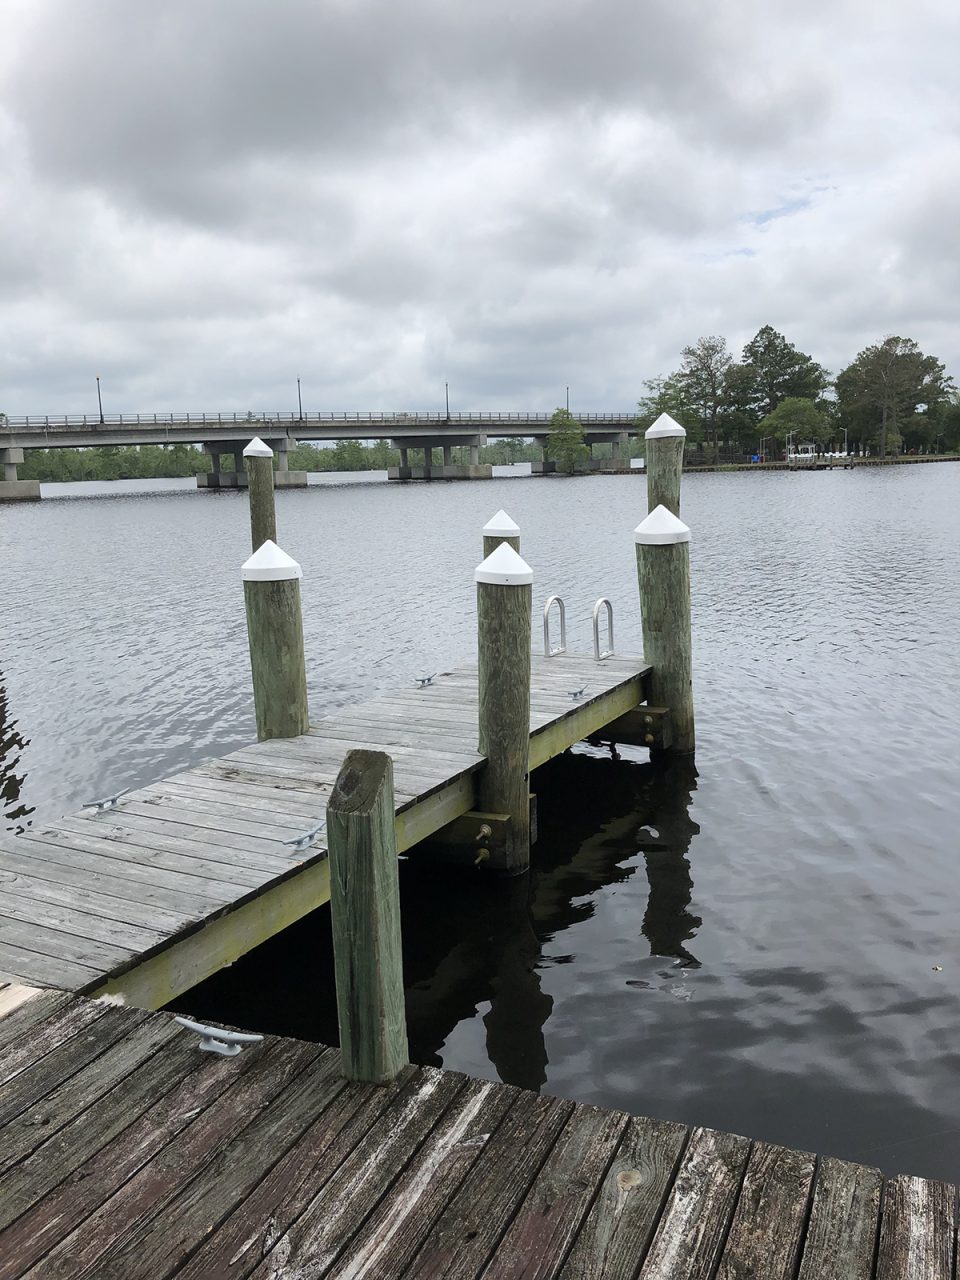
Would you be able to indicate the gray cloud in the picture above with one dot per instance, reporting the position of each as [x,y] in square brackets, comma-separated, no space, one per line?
[202,202]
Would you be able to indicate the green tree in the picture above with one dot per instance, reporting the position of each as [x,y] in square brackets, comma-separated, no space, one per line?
[703,375]
[890,380]
[668,395]
[780,372]
[802,417]
[566,445]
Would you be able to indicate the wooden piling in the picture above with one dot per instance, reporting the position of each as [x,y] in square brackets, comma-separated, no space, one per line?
[271,588]
[263,512]
[504,606]
[663,574]
[500,528]
[365,916]
[663,462]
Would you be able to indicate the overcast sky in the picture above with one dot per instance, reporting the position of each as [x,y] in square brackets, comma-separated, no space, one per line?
[204,199]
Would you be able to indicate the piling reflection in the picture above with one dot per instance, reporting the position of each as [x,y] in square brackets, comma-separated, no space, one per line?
[14,812]
[464,950]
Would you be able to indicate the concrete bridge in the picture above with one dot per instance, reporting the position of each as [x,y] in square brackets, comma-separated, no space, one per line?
[223,434]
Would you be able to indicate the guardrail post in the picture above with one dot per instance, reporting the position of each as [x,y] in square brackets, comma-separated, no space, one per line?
[500,528]
[263,510]
[504,603]
[663,575]
[271,589]
[664,445]
[365,919]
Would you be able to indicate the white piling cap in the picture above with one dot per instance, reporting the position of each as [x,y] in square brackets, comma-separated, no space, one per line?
[270,564]
[501,526]
[664,426]
[660,527]
[504,567]
[257,449]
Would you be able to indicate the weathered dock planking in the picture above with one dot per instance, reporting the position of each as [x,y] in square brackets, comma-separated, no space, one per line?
[125,1152]
[185,875]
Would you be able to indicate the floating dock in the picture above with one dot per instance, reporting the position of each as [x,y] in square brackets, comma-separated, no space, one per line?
[148,898]
[127,1153]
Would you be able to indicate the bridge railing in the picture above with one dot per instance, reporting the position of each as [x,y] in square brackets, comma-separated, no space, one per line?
[94,422]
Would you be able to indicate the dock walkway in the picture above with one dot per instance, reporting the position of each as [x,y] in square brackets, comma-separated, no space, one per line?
[126,1152]
[185,875]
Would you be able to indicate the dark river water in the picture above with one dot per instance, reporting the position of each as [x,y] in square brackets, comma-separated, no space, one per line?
[766,943]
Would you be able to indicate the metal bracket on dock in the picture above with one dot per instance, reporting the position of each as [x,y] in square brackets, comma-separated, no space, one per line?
[548,650]
[216,1040]
[305,840]
[108,802]
[602,603]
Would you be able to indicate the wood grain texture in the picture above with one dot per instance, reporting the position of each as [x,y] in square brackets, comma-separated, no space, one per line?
[16,1024]
[766,1235]
[313,1245]
[613,1241]
[14,994]
[503,620]
[663,574]
[365,919]
[917,1230]
[492,541]
[102,1234]
[691,1234]
[842,1234]
[547,1222]
[263,512]
[249,1233]
[107,1148]
[394,1232]
[275,634]
[164,1241]
[465,1236]
[663,461]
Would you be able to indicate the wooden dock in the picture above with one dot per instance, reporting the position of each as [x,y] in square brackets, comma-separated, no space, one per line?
[125,1152]
[185,875]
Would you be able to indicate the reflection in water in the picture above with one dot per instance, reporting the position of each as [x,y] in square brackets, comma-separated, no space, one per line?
[474,945]
[596,814]
[11,783]
[665,839]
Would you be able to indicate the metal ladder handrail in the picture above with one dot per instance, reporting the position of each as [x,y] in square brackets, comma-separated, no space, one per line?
[603,602]
[548,650]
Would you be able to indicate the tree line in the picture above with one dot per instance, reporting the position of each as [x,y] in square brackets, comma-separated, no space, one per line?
[891,398]
[152,461]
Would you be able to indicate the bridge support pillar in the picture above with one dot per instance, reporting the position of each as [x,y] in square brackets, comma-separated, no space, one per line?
[544,466]
[283,477]
[13,489]
[475,454]
[217,478]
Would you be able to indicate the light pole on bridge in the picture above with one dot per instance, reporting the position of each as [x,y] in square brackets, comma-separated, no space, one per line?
[99,401]
[446,392]
[568,399]
[299,400]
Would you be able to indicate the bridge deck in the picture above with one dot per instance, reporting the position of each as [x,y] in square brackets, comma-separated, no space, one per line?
[126,1152]
[186,875]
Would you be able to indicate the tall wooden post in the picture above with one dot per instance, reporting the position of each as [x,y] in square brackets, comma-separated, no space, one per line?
[504,606]
[663,462]
[263,513]
[663,573]
[500,528]
[271,589]
[365,916]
